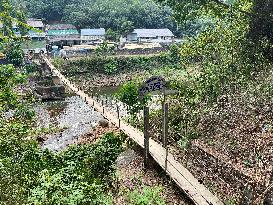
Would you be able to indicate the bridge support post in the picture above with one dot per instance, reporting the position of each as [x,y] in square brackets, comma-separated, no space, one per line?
[118,116]
[146,136]
[165,124]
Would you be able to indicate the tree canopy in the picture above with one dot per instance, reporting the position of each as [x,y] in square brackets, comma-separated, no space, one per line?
[114,14]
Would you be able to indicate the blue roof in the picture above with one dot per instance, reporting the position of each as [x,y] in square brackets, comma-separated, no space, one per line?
[93,32]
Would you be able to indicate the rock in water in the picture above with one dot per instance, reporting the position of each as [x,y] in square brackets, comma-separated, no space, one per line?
[40,139]
[104,123]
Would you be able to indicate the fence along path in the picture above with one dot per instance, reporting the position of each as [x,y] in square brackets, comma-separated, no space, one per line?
[197,192]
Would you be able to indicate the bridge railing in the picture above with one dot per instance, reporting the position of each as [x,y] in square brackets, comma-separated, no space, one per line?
[197,192]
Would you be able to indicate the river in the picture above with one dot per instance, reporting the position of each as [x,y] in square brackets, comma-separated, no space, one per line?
[72,114]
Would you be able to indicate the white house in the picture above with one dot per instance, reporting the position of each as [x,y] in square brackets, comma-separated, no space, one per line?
[91,35]
[151,35]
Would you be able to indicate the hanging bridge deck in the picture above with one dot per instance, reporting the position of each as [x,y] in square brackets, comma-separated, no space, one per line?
[197,192]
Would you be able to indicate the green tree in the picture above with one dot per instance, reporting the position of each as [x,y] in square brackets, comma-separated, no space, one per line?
[111,35]
[129,94]
[119,15]
[127,27]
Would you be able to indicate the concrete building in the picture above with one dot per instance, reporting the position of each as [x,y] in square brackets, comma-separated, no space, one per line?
[92,35]
[63,35]
[151,35]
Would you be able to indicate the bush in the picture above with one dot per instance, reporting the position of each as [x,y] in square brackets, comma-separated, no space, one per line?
[14,53]
[110,65]
[148,196]
[129,95]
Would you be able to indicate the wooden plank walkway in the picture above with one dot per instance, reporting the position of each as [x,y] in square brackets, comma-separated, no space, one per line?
[197,192]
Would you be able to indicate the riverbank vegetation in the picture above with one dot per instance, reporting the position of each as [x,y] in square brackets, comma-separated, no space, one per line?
[225,91]
[81,174]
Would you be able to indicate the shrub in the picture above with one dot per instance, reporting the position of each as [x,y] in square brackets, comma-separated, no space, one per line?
[148,196]
[129,95]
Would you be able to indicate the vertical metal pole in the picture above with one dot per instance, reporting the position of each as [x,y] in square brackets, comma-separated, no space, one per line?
[146,136]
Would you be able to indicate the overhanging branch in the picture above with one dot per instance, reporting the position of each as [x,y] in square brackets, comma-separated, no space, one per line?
[221,3]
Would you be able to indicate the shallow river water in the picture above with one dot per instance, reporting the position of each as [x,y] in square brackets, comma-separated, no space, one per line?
[72,114]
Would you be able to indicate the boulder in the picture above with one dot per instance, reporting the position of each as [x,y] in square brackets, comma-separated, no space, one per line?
[104,123]
[50,93]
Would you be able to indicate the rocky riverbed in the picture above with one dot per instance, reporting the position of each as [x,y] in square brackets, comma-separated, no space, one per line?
[71,115]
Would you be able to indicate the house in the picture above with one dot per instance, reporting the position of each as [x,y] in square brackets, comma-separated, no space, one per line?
[92,35]
[151,35]
[38,25]
[63,34]
[15,29]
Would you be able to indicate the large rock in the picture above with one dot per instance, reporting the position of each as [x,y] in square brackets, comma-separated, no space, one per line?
[104,123]
[50,93]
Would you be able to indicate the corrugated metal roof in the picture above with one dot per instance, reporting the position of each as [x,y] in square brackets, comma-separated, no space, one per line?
[93,32]
[35,23]
[34,34]
[152,32]
[62,32]
[61,27]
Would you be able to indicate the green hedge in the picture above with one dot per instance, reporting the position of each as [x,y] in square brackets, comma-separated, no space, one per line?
[110,65]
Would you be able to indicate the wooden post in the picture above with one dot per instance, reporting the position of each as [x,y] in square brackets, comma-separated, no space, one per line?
[146,136]
[118,116]
[247,196]
[165,131]
[165,124]
[268,198]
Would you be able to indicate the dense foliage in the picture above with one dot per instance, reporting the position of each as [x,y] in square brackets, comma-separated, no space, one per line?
[10,43]
[115,64]
[129,94]
[119,15]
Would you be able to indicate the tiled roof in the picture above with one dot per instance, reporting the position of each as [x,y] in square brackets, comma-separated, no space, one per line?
[93,32]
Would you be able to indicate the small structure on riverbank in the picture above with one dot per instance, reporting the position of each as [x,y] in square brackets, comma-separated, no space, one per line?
[151,35]
[39,25]
[92,35]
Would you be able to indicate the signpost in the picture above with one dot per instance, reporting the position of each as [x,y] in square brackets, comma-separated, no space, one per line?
[155,84]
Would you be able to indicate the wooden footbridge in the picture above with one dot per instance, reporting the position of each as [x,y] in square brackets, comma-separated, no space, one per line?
[197,192]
